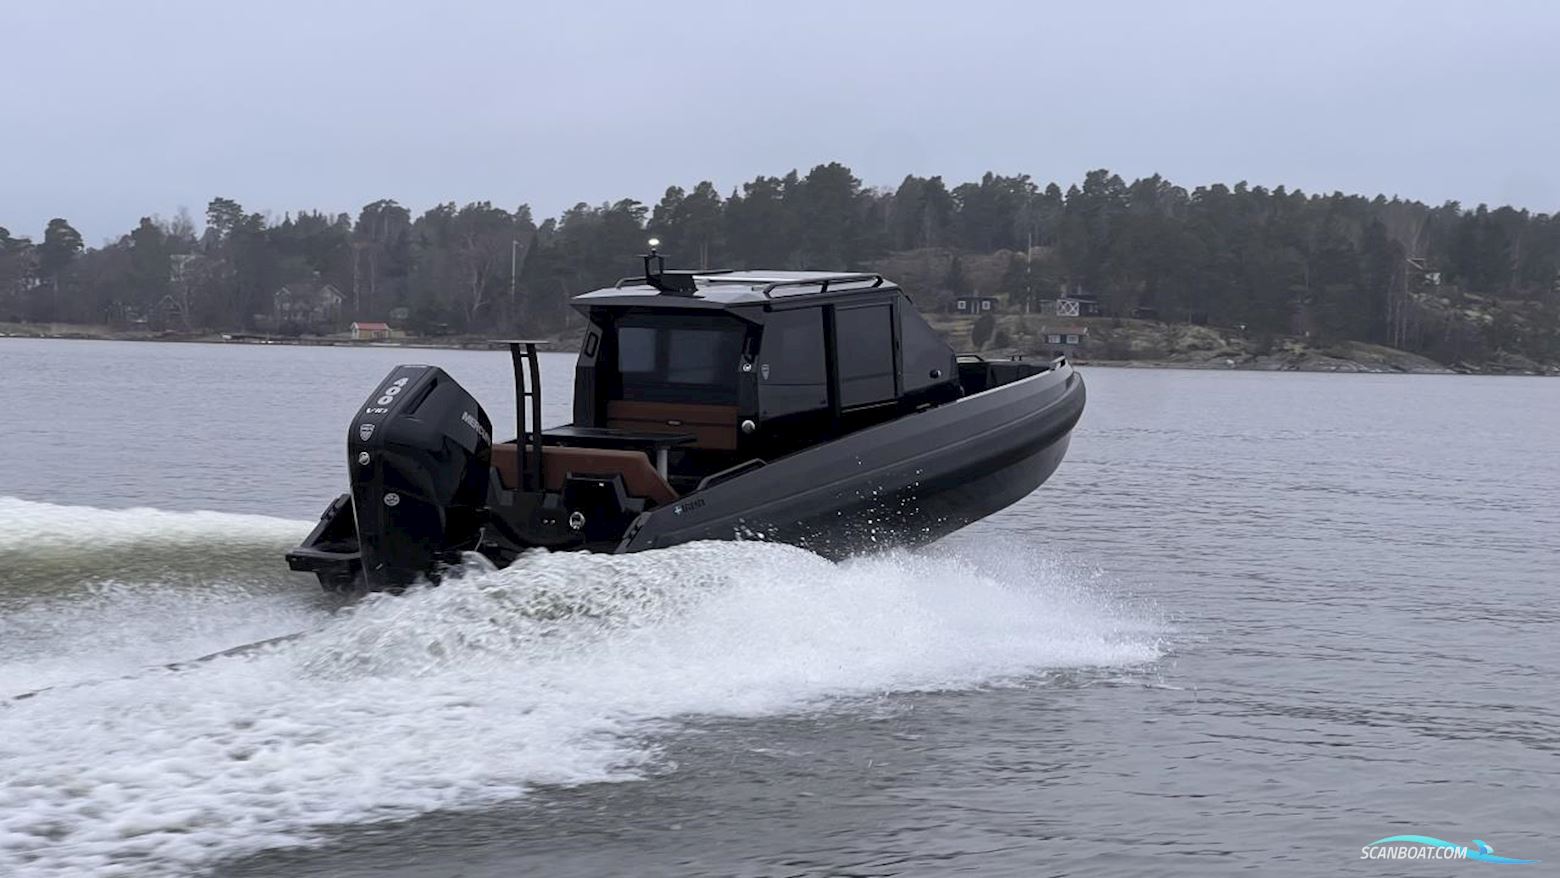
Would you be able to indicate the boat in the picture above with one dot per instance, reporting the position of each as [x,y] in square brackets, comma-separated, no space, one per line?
[813,408]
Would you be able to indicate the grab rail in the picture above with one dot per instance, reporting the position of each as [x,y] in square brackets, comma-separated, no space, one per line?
[528,441]
[823,282]
[729,473]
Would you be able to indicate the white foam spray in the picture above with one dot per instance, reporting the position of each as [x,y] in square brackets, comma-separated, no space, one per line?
[88,593]
[553,671]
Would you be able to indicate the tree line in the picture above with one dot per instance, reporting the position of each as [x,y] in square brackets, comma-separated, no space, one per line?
[1275,261]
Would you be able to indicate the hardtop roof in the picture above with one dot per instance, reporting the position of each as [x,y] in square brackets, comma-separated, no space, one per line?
[720,289]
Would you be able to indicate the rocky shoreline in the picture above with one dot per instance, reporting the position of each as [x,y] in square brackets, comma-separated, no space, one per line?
[1145,344]
[1168,346]
[1316,361]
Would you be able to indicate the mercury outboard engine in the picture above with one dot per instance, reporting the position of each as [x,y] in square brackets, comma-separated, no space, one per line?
[419,453]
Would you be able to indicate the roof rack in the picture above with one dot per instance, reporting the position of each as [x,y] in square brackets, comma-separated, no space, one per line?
[822,283]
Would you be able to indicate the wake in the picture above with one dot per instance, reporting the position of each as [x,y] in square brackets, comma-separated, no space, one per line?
[556,670]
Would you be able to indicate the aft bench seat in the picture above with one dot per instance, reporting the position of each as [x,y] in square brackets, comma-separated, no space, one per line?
[558,462]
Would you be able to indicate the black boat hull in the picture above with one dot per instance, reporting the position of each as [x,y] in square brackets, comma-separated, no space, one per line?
[906,482]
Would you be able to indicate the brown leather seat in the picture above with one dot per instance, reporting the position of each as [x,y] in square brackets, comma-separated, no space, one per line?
[712,426]
[639,477]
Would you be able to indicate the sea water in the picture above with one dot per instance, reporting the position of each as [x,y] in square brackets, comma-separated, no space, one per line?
[1255,621]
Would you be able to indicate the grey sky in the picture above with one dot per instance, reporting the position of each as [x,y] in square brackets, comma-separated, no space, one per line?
[110,111]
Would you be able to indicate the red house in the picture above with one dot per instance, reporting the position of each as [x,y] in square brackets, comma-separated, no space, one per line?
[365,331]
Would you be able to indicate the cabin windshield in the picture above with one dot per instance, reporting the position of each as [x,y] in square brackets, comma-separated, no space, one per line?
[682,359]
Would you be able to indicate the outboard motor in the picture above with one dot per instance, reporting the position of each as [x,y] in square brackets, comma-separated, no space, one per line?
[419,453]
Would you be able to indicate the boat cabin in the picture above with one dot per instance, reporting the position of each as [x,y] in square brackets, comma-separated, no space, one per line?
[802,405]
[685,376]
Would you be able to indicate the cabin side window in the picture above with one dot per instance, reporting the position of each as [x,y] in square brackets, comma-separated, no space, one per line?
[864,338]
[691,359]
[928,360]
[793,375]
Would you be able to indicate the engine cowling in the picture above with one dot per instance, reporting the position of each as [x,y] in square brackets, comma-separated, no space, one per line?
[419,452]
